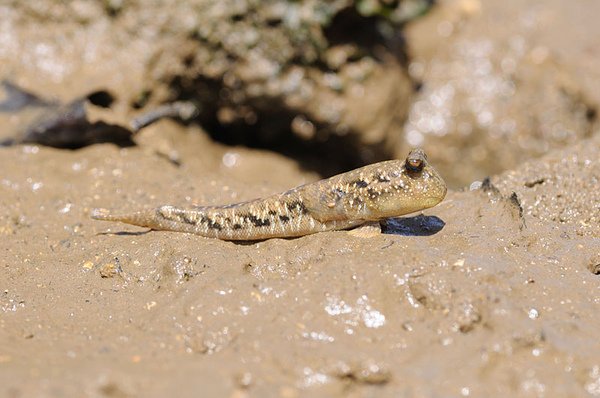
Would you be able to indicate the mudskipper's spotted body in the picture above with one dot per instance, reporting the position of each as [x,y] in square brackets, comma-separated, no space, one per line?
[371,193]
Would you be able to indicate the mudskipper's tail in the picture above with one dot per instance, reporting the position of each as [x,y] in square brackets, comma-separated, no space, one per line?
[144,218]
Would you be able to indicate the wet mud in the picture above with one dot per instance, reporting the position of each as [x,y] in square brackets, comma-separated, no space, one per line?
[494,292]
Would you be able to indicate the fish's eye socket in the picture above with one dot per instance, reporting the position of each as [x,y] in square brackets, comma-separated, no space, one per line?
[414,165]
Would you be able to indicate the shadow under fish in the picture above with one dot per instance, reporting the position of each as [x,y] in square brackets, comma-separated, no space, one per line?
[68,125]
[420,225]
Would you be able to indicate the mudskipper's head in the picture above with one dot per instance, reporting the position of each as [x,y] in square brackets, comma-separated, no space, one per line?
[403,187]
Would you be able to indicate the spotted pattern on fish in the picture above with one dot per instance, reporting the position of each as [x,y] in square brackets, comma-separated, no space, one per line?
[371,193]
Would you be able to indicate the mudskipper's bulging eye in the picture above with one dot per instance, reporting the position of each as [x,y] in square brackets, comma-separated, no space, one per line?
[414,164]
[415,161]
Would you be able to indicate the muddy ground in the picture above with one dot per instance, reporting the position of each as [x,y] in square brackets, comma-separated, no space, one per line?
[494,292]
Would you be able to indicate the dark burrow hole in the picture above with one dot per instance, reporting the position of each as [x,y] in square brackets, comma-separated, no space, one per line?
[366,33]
[270,128]
[101,98]
[267,123]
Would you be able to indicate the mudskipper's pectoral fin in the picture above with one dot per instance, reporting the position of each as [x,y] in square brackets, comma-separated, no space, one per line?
[367,230]
[326,205]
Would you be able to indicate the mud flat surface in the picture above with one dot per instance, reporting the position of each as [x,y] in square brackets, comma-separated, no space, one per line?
[502,300]
[494,292]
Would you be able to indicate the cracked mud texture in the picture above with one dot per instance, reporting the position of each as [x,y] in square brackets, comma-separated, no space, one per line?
[495,292]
